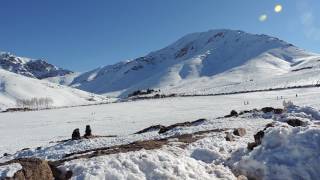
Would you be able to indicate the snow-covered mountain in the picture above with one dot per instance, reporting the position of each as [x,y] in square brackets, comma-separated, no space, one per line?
[30,67]
[208,62]
[15,87]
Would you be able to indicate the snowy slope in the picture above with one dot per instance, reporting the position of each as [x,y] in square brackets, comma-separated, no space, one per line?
[30,67]
[208,62]
[14,86]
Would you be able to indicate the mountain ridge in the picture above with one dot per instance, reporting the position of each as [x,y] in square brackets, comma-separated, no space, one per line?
[35,68]
[196,57]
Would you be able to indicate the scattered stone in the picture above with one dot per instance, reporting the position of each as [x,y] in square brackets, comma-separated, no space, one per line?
[233,113]
[267,109]
[198,122]
[272,124]
[251,145]
[278,111]
[165,129]
[295,122]
[151,128]
[58,174]
[88,131]
[76,134]
[258,137]
[242,177]
[229,137]
[257,140]
[239,132]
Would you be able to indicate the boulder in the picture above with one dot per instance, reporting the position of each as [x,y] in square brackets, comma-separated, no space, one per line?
[88,132]
[258,137]
[229,137]
[240,132]
[151,128]
[278,111]
[233,113]
[295,122]
[32,169]
[267,109]
[257,140]
[76,134]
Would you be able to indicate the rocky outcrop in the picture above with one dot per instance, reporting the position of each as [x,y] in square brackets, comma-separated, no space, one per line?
[32,169]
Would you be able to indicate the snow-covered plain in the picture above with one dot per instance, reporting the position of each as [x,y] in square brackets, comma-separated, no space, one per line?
[31,129]
[286,152]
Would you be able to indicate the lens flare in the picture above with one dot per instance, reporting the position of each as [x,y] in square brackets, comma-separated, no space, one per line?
[278,8]
[263,17]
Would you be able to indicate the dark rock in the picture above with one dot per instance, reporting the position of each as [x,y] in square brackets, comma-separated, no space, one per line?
[257,140]
[251,146]
[198,122]
[233,113]
[58,174]
[267,109]
[258,137]
[76,134]
[229,137]
[269,125]
[88,131]
[165,129]
[239,132]
[295,122]
[278,111]
[151,128]
[6,154]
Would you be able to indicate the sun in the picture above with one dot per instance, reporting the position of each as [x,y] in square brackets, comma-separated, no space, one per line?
[263,17]
[278,8]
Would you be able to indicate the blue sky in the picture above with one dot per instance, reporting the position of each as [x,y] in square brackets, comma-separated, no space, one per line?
[83,34]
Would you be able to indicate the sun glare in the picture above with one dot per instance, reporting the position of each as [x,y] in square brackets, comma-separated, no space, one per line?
[263,17]
[278,8]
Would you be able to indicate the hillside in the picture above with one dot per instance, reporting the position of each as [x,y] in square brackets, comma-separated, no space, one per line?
[209,62]
[15,87]
[35,68]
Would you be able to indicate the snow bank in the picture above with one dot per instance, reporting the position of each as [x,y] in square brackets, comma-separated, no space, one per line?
[285,153]
[9,170]
[155,164]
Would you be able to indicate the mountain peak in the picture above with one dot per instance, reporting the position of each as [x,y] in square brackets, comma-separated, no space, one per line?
[198,58]
[35,68]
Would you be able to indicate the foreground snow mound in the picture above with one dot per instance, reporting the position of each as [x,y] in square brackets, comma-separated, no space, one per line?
[285,153]
[9,170]
[158,164]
